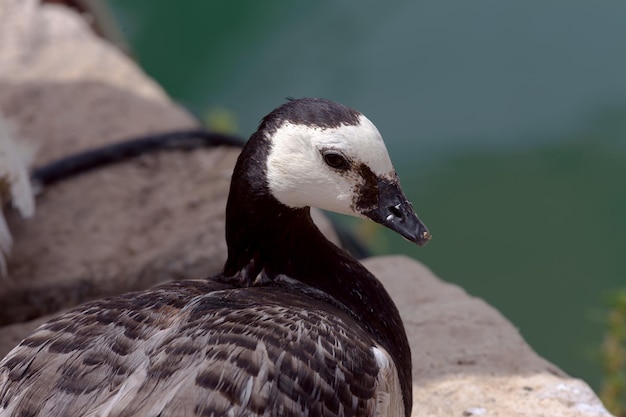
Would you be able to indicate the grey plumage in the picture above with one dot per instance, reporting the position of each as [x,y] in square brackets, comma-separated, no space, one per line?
[207,350]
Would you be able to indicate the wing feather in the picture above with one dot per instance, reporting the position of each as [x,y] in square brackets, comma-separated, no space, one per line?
[195,349]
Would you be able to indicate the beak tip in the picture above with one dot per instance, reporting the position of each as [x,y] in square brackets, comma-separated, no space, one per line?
[424,238]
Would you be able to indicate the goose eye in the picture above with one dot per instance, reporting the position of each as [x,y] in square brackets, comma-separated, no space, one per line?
[335,160]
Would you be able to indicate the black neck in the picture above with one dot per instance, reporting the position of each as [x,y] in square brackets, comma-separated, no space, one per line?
[266,237]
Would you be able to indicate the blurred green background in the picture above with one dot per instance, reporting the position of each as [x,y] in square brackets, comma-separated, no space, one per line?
[506,122]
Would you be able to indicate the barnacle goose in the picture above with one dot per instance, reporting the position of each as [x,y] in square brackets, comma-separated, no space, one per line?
[294,326]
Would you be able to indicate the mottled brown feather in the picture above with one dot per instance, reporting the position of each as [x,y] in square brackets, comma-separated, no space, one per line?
[201,344]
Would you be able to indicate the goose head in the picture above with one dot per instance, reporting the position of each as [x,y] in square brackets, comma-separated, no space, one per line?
[326,155]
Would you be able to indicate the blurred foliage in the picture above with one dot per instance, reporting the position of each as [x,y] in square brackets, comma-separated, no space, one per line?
[613,392]
[222,120]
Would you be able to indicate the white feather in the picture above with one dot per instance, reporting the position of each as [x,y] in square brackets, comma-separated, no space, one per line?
[15,185]
[389,394]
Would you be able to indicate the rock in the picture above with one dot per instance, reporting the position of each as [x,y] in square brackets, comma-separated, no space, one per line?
[67,90]
[468,360]
[160,217]
[168,208]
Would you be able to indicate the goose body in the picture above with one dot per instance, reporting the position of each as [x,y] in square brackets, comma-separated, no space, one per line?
[294,326]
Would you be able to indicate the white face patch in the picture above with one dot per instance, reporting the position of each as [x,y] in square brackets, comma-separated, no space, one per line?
[297,175]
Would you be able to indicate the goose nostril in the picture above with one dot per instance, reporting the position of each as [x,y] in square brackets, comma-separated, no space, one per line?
[395,211]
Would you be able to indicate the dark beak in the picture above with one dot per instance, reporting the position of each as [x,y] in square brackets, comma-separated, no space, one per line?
[395,212]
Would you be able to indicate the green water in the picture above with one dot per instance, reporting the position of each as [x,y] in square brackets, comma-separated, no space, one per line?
[538,233]
[506,122]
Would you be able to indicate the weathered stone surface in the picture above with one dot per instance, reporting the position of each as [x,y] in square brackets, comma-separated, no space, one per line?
[160,217]
[125,227]
[468,360]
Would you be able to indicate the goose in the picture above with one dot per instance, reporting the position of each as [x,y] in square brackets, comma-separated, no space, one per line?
[293,326]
